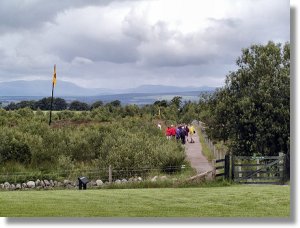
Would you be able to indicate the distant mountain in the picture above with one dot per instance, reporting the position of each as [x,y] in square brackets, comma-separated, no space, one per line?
[166,89]
[63,88]
[43,88]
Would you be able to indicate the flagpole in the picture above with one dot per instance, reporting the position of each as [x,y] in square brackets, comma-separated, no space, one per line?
[53,84]
[51,104]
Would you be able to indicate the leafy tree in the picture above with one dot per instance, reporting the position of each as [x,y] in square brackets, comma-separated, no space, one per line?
[115,103]
[130,110]
[252,111]
[21,104]
[162,103]
[189,112]
[45,104]
[79,106]
[11,106]
[96,104]
[24,104]
[177,101]
[59,104]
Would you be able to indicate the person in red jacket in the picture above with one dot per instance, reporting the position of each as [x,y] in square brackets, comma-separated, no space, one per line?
[168,133]
[173,131]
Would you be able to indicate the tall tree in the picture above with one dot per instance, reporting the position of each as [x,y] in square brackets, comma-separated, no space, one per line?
[252,111]
[177,101]
[45,104]
[79,106]
[96,104]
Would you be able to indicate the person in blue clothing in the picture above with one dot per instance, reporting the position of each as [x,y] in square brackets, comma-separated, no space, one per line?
[178,133]
[186,132]
[182,134]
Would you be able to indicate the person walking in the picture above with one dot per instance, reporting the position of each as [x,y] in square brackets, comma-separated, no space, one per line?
[159,126]
[191,133]
[168,133]
[182,134]
[187,133]
[173,131]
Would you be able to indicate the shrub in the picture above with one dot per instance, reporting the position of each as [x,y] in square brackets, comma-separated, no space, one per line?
[13,147]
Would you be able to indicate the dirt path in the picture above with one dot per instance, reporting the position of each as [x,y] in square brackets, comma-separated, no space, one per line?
[195,156]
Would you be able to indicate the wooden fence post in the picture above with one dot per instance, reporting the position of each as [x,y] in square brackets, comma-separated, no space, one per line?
[226,168]
[232,167]
[257,167]
[214,152]
[110,174]
[285,168]
[239,168]
[282,167]
[214,168]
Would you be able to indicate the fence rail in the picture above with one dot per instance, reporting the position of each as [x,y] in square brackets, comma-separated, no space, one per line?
[108,174]
[254,170]
[248,169]
[224,167]
[217,154]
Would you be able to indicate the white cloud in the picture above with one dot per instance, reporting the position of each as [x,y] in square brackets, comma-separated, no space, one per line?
[126,43]
[81,61]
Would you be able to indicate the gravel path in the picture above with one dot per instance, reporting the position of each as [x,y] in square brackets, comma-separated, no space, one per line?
[195,156]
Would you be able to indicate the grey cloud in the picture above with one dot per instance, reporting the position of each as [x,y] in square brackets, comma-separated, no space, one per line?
[229,22]
[20,14]
[81,61]
[161,46]
[111,75]
[93,48]
[220,42]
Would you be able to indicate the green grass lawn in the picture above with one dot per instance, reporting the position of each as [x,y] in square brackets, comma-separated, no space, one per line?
[231,201]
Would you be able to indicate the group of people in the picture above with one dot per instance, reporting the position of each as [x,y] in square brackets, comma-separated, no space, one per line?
[182,132]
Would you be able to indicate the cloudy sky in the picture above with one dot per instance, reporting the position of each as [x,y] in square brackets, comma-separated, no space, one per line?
[124,44]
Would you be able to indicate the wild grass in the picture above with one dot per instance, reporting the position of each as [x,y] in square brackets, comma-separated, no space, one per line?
[205,149]
[167,183]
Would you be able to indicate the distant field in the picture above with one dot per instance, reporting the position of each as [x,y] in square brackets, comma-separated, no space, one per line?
[232,201]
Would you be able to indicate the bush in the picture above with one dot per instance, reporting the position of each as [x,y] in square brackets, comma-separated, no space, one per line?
[130,142]
[13,147]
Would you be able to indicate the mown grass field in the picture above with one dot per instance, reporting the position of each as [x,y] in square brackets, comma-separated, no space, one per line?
[231,201]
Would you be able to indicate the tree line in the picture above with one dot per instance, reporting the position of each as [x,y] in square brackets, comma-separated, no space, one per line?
[58,104]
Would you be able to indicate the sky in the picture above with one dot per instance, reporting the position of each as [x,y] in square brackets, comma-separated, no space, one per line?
[125,44]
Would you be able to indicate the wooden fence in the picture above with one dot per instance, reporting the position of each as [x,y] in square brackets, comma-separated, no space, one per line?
[259,170]
[253,170]
[109,174]
[217,154]
[222,167]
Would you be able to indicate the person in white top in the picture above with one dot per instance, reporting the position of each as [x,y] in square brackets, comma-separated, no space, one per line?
[159,126]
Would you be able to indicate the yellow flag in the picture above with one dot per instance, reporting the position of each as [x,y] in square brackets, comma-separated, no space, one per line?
[54,76]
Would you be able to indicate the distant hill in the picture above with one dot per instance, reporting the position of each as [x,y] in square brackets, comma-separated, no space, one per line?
[63,88]
[43,88]
[166,89]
